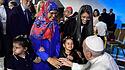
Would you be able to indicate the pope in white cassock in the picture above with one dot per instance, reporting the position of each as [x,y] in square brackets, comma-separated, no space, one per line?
[93,49]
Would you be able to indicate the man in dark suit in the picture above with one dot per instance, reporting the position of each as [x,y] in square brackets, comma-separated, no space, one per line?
[112,25]
[20,22]
[112,20]
[105,17]
[20,19]
[69,23]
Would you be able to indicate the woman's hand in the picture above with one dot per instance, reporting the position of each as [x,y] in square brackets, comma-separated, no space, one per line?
[41,49]
[55,62]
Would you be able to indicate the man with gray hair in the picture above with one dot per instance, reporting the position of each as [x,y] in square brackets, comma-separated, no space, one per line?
[20,19]
[93,49]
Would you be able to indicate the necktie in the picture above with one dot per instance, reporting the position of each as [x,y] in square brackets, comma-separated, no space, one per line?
[26,15]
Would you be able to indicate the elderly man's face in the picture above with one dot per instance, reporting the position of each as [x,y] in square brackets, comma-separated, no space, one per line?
[1,1]
[67,13]
[25,3]
[87,53]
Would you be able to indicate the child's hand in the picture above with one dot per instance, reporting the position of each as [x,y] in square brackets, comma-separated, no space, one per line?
[41,49]
[37,60]
[70,57]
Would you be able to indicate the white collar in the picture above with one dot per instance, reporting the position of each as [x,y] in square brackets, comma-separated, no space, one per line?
[22,8]
[2,6]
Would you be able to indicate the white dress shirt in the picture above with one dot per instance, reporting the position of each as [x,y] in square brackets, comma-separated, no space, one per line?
[3,17]
[81,28]
[103,62]
[95,20]
[23,8]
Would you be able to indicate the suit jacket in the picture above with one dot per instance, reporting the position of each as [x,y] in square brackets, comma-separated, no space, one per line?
[19,23]
[105,18]
[111,18]
[69,26]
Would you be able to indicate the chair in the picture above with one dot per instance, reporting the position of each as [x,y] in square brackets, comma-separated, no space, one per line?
[119,43]
[122,44]
[114,42]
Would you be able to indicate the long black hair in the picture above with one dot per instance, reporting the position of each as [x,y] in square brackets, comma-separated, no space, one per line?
[88,28]
[98,13]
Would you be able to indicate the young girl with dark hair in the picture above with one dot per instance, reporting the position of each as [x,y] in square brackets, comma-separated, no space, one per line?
[69,53]
[22,58]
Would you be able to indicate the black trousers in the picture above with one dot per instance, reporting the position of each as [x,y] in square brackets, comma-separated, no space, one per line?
[5,45]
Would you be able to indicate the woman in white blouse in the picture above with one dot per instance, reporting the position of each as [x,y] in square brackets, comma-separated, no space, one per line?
[96,14]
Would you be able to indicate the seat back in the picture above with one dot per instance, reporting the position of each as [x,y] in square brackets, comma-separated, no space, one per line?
[121,35]
[117,34]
